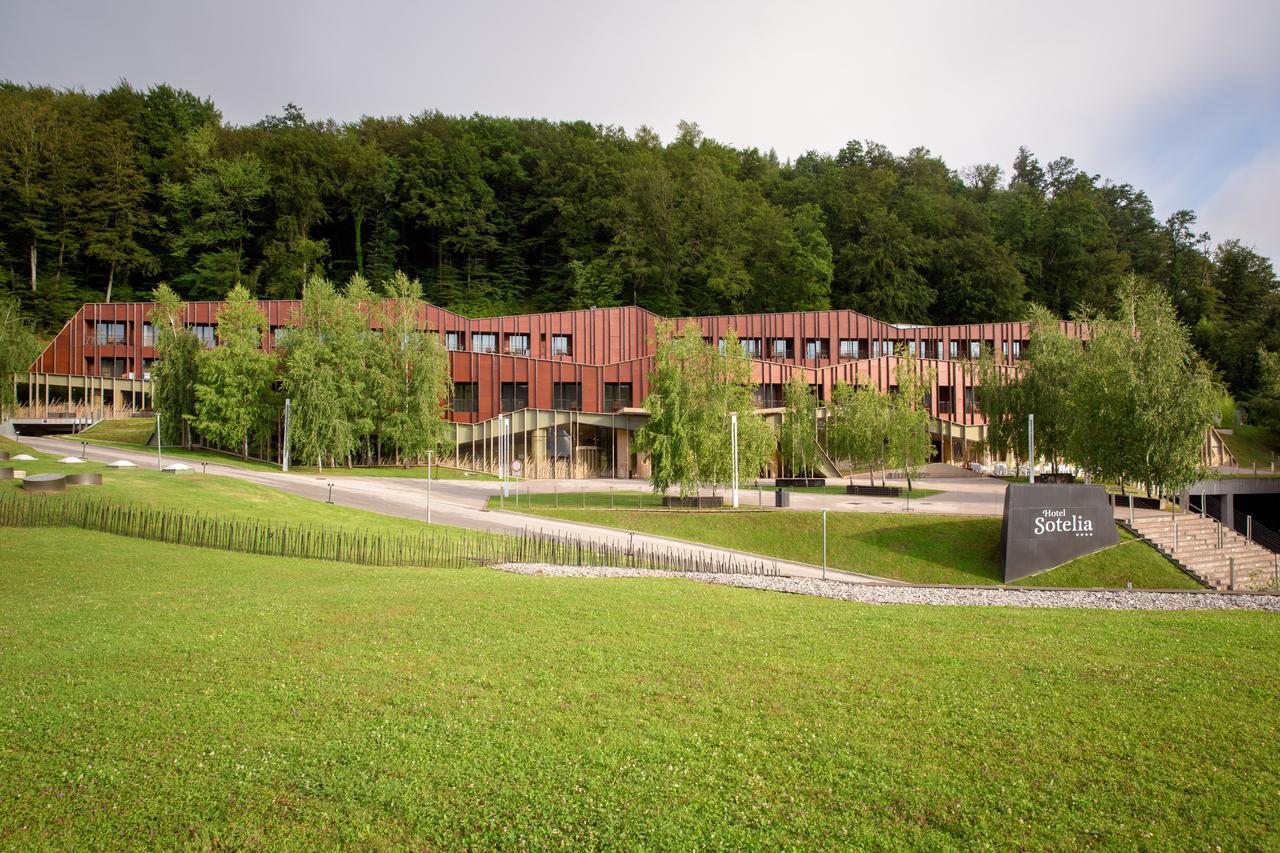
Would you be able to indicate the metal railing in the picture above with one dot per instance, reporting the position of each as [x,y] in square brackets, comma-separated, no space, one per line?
[1257,533]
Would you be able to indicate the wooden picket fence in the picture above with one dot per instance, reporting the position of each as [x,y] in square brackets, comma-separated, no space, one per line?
[461,547]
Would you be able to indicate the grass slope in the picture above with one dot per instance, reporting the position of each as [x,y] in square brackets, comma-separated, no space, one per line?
[130,431]
[177,697]
[119,438]
[200,493]
[1253,445]
[1132,561]
[918,548]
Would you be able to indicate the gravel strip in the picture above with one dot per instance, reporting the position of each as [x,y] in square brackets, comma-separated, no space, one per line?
[881,594]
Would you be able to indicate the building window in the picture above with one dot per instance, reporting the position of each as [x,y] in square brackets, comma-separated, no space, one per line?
[955,349]
[1017,350]
[816,348]
[946,399]
[466,397]
[617,395]
[147,364]
[455,341]
[148,335]
[875,349]
[518,344]
[970,401]
[750,347]
[1004,350]
[279,334]
[781,348]
[911,349]
[940,354]
[819,392]
[515,395]
[769,396]
[109,333]
[113,367]
[849,348]
[566,396]
[975,349]
[561,345]
[484,342]
[207,334]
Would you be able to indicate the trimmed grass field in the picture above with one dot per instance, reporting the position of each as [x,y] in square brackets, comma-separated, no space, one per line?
[1253,445]
[131,431]
[127,434]
[918,548]
[1132,561]
[193,492]
[159,696]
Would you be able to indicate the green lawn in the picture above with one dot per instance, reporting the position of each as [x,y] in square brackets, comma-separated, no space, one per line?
[919,548]
[10,446]
[1132,561]
[159,696]
[580,497]
[116,435]
[1251,445]
[131,431]
[193,492]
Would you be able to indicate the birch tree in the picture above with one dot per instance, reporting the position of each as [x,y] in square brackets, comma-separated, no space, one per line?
[857,427]
[176,369]
[234,404]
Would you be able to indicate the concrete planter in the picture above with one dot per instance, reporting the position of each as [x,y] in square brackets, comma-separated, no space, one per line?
[45,483]
[6,473]
[696,502]
[84,479]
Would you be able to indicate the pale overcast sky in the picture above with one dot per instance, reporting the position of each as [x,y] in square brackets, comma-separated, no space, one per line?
[1181,99]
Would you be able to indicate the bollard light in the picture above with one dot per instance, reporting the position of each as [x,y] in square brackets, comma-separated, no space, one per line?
[330,500]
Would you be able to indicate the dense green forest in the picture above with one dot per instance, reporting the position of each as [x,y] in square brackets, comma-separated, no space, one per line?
[105,195]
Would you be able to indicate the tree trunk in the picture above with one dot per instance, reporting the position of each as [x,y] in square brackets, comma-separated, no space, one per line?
[34,253]
[357,219]
[111,277]
[245,450]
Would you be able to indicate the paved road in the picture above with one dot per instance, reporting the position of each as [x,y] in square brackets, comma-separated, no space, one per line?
[454,502]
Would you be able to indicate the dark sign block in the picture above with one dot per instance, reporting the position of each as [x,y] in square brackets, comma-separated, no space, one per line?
[1048,524]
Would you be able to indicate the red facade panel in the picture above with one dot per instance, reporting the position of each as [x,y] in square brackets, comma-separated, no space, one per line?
[598,346]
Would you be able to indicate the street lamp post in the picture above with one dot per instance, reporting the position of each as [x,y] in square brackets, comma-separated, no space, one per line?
[733,439]
[159,444]
[824,544]
[285,450]
[504,453]
[428,487]
[1031,449]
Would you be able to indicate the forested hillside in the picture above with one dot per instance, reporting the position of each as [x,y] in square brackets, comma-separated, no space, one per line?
[103,196]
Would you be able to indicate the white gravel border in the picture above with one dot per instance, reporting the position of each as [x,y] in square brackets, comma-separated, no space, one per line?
[884,594]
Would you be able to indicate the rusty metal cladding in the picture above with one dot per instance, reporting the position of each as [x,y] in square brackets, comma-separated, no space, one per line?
[606,352]
[84,479]
[45,483]
[6,473]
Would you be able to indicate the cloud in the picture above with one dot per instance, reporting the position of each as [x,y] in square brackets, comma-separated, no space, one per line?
[1245,206]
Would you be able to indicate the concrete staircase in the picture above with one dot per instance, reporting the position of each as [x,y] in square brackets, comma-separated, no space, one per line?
[1197,551]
